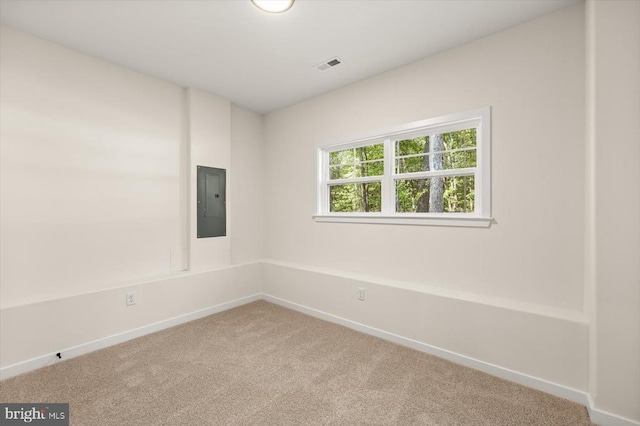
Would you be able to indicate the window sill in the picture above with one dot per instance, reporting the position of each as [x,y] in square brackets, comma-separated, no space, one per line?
[453,221]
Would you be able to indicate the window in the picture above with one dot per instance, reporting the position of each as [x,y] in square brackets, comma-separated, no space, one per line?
[431,172]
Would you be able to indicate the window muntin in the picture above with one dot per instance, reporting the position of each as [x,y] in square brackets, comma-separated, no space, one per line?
[451,150]
[357,162]
[430,169]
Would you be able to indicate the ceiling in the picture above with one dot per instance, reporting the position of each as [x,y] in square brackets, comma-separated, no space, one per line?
[264,61]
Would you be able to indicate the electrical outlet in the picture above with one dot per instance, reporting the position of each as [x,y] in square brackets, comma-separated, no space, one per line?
[360,293]
[131,298]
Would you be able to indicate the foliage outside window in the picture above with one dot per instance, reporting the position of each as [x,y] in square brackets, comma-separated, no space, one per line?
[435,171]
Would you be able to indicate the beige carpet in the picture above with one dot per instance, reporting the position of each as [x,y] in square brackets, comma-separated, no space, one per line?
[263,364]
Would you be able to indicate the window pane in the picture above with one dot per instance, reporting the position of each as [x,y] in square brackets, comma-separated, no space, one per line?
[341,157]
[411,146]
[453,150]
[357,162]
[370,168]
[460,139]
[341,172]
[451,194]
[412,164]
[355,197]
[458,159]
[356,155]
[370,152]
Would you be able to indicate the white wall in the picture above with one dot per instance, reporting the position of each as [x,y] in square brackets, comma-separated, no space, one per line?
[89,172]
[32,334]
[511,295]
[97,178]
[532,76]
[613,35]
[247,163]
[209,135]
[540,345]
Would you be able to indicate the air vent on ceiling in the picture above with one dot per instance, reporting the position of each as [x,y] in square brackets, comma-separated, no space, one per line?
[329,63]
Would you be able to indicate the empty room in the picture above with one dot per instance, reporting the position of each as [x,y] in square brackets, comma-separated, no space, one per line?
[320,212]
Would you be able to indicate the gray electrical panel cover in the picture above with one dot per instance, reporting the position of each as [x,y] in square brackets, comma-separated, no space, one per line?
[212,202]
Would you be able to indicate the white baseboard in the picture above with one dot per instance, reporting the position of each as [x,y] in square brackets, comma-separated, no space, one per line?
[504,373]
[597,416]
[606,418]
[72,352]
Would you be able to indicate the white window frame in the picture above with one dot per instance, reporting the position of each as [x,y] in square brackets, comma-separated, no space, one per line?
[481,217]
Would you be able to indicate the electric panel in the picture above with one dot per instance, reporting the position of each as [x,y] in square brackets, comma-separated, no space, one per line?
[212,202]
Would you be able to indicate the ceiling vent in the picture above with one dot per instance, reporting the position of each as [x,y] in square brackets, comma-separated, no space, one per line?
[329,63]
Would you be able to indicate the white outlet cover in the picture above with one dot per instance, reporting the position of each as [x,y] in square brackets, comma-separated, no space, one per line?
[131,298]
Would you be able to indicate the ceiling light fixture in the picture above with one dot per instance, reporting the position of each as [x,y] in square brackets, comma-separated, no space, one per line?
[273,6]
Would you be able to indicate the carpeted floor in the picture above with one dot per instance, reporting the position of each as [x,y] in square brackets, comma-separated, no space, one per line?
[263,364]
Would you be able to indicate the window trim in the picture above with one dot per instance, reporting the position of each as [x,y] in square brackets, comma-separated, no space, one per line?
[479,118]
